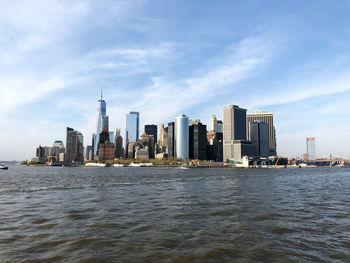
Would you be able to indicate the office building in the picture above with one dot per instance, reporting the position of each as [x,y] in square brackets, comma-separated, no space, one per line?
[234,120]
[242,148]
[214,124]
[310,148]
[194,121]
[111,136]
[106,149]
[89,153]
[163,139]
[266,117]
[171,139]
[132,126]
[117,132]
[151,129]
[142,153]
[74,146]
[259,136]
[182,137]
[198,141]
[101,122]
[219,126]
[58,144]
[215,146]
[147,141]
[119,149]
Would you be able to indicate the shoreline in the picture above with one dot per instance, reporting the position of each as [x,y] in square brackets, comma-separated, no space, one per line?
[181,166]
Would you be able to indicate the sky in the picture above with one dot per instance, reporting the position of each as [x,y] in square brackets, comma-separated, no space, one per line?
[164,58]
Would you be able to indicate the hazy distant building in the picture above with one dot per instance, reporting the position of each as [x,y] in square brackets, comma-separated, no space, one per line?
[40,155]
[198,141]
[117,133]
[152,129]
[310,148]
[58,144]
[89,153]
[101,121]
[182,137]
[259,136]
[267,117]
[213,124]
[234,119]
[111,136]
[171,139]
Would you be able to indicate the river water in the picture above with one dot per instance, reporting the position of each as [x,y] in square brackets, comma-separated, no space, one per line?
[61,214]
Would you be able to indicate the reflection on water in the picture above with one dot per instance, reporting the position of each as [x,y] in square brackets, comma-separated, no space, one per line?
[56,214]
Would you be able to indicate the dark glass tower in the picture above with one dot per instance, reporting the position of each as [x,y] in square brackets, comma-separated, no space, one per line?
[151,129]
[198,141]
[171,139]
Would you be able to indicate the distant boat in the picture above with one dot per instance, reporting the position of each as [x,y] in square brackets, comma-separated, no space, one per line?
[2,167]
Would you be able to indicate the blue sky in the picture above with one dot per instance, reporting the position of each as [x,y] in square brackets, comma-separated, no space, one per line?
[164,58]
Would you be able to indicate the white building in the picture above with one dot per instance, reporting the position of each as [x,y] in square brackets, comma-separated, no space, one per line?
[182,137]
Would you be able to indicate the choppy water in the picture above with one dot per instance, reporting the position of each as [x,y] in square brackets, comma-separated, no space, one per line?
[57,214]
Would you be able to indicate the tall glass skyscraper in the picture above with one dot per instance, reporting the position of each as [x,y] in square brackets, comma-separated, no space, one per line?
[310,148]
[132,131]
[101,120]
[182,137]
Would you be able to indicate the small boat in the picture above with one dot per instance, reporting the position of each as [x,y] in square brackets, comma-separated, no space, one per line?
[3,167]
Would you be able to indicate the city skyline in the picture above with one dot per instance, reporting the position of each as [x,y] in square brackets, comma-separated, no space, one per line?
[163,59]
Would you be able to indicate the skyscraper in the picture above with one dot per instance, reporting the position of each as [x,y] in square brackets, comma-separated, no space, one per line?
[163,138]
[198,141]
[267,117]
[234,119]
[171,139]
[310,148]
[119,149]
[219,126]
[74,146]
[151,129]
[181,137]
[132,126]
[214,124]
[101,121]
[259,136]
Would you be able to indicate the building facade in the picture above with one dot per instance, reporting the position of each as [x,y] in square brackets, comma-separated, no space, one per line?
[171,139]
[266,117]
[152,129]
[74,146]
[182,137]
[198,141]
[132,127]
[310,148]
[234,129]
[213,124]
[259,136]
[214,149]
[119,149]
